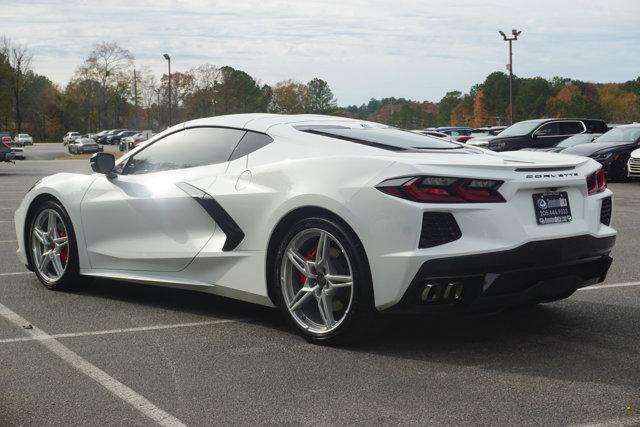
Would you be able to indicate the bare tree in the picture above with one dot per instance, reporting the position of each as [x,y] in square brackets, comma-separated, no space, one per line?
[109,64]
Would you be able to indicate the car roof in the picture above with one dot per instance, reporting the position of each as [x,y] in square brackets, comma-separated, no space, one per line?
[261,122]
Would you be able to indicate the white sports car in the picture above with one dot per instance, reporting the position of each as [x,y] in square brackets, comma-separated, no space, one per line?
[331,219]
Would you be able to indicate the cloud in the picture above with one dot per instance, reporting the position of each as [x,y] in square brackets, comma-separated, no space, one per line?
[414,49]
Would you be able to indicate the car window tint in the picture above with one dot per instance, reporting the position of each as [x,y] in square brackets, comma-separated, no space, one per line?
[251,142]
[550,129]
[571,128]
[185,149]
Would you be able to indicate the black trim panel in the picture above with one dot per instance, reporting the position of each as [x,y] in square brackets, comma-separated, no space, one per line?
[232,230]
[534,271]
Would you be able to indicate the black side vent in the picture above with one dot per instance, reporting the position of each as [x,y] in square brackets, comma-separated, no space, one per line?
[605,211]
[438,228]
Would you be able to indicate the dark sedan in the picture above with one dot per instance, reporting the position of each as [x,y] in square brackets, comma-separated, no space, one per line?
[572,141]
[612,150]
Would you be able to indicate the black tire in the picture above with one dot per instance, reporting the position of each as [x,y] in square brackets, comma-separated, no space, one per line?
[71,279]
[357,322]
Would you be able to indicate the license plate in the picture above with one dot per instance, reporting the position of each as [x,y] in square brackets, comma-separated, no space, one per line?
[552,207]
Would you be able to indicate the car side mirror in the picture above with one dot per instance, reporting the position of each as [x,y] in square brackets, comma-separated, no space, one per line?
[104,163]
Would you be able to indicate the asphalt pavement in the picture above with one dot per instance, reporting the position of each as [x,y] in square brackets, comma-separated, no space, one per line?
[121,353]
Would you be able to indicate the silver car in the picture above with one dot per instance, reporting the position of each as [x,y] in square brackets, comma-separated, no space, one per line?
[22,139]
[84,145]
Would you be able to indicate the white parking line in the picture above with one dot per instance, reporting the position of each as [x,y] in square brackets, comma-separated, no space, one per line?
[8,241]
[120,390]
[123,330]
[617,422]
[17,273]
[613,285]
[6,220]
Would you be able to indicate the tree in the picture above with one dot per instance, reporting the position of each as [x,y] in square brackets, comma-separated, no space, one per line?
[531,98]
[19,58]
[321,99]
[290,97]
[238,92]
[108,64]
[446,106]
[480,113]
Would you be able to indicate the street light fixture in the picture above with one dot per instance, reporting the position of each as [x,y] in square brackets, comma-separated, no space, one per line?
[513,37]
[168,58]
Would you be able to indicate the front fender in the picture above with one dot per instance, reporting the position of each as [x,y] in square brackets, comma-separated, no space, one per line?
[68,189]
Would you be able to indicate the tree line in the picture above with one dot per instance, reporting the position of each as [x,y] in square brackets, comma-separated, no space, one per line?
[110,90]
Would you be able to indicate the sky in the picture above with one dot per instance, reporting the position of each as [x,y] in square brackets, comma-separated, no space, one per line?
[364,49]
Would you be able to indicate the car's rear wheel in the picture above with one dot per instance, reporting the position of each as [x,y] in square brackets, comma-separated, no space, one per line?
[323,281]
[52,247]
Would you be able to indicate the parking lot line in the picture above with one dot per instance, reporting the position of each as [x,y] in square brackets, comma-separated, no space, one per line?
[7,220]
[123,330]
[120,390]
[613,285]
[17,273]
[8,241]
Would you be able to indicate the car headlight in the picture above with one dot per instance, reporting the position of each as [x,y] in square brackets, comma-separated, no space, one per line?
[601,157]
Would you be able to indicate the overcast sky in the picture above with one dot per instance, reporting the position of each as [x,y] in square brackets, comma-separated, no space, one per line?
[363,48]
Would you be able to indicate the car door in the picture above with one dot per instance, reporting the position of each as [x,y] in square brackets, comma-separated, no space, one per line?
[148,217]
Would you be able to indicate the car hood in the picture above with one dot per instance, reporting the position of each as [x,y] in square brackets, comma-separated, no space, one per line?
[596,147]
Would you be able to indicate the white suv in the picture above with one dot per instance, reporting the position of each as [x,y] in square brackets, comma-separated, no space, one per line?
[22,139]
[633,166]
[69,137]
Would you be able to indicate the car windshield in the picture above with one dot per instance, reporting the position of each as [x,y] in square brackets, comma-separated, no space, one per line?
[385,138]
[622,134]
[520,128]
[23,135]
[581,138]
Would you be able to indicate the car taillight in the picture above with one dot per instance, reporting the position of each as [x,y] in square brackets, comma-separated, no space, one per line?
[596,182]
[438,189]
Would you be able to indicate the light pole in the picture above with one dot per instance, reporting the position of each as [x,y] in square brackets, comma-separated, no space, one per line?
[514,36]
[157,91]
[168,58]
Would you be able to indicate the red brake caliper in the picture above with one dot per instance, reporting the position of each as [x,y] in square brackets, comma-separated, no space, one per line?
[310,255]
[64,252]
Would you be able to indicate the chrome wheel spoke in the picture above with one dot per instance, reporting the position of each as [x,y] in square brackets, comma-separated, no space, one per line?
[60,241]
[57,264]
[39,234]
[338,281]
[325,305]
[44,260]
[51,223]
[301,264]
[323,249]
[302,296]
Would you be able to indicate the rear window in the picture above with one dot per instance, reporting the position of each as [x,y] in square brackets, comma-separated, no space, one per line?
[385,138]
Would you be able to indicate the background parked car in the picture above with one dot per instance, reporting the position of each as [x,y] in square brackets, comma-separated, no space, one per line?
[6,155]
[103,138]
[487,131]
[612,150]
[84,145]
[70,136]
[6,140]
[543,133]
[22,139]
[435,134]
[131,142]
[97,136]
[116,138]
[633,166]
[572,141]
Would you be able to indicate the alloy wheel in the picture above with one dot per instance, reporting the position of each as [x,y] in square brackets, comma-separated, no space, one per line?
[317,281]
[50,245]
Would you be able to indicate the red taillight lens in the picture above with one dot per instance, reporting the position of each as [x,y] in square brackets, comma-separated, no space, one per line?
[596,182]
[437,189]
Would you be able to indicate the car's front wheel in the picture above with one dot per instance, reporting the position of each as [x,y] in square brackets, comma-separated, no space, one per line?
[52,246]
[323,282]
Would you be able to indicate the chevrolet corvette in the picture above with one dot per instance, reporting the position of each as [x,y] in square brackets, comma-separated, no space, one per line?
[330,219]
